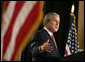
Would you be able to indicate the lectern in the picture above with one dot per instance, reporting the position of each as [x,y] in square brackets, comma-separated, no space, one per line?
[75,57]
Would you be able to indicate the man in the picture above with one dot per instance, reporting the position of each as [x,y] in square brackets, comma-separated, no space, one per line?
[43,43]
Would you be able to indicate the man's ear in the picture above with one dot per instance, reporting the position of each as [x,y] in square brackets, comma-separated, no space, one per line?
[46,22]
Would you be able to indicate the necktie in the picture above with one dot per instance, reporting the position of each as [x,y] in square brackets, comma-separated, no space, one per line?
[54,40]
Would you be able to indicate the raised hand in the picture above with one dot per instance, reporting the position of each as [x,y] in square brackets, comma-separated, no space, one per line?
[46,47]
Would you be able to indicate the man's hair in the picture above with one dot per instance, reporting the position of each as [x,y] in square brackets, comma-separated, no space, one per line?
[49,16]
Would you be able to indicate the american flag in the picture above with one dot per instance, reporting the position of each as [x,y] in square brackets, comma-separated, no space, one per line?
[19,22]
[72,45]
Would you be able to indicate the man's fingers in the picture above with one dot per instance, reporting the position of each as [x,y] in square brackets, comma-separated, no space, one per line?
[47,44]
[47,41]
[48,48]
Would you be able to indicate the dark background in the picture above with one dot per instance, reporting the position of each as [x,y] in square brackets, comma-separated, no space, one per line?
[63,8]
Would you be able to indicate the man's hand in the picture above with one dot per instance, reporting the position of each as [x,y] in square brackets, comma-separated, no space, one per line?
[46,47]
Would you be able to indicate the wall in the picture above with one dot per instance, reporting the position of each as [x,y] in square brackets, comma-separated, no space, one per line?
[81,24]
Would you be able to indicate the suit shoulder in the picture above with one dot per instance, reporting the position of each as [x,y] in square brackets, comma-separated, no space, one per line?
[37,34]
[40,32]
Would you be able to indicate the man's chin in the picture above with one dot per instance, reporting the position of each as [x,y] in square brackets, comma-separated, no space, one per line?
[55,30]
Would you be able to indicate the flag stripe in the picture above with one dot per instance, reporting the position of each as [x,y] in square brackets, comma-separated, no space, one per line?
[7,18]
[66,52]
[20,19]
[27,25]
[8,34]
[24,19]
[6,5]
[31,31]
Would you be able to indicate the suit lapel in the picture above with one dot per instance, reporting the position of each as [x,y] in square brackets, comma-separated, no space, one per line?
[48,36]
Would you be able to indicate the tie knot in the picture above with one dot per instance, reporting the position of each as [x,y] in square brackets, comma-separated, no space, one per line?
[53,37]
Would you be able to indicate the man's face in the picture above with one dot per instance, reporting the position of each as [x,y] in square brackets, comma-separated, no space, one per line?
[53,24]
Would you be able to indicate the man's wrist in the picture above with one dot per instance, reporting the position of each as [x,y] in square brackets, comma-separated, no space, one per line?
[40,49]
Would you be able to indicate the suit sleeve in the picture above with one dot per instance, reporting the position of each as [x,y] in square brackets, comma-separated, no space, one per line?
[36,42]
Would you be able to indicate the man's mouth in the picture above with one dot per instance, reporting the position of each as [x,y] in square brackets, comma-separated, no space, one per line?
[56,27]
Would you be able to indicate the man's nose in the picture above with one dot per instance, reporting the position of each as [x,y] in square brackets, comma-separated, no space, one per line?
[57,23]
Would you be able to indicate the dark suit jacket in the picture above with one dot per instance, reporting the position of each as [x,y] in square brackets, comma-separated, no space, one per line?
[39,39]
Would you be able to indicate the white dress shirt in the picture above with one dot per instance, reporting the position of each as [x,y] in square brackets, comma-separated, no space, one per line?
[49,32]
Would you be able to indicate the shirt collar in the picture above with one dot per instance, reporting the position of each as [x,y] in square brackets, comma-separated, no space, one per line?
[49,32]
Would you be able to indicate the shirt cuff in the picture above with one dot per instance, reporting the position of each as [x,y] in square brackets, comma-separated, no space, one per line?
[40,49]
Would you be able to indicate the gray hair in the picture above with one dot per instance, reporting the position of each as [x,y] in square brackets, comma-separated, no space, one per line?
[49,16]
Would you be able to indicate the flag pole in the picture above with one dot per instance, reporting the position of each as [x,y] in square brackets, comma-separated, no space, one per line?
[72,9]
[74,21]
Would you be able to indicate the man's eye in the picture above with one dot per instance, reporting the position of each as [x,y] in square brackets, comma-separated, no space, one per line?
[55,20]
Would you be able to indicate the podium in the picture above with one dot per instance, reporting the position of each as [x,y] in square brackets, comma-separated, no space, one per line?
[75,57]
